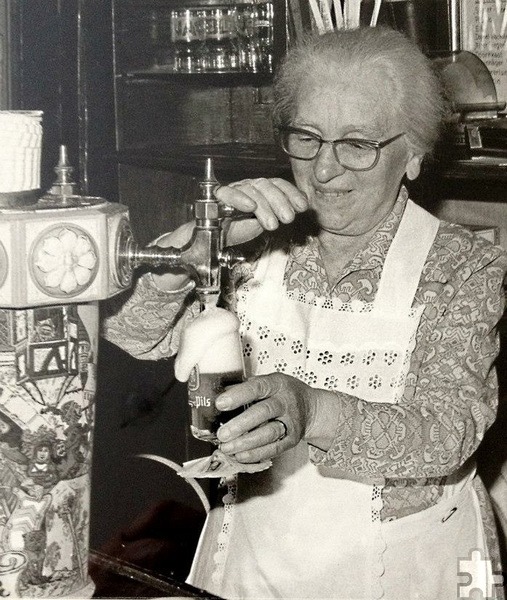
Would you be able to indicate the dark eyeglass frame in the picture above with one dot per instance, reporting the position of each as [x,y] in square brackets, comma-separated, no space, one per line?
[373,144]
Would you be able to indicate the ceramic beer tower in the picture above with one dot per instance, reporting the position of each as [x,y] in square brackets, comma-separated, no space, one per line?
[60,254]
[56,262]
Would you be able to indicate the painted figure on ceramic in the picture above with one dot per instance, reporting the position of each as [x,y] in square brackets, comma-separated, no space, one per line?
[46,415]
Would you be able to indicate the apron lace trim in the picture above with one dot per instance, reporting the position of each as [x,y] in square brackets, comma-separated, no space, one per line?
[377,501]
[379,363]
[379,544]
[219,558]
[354,306]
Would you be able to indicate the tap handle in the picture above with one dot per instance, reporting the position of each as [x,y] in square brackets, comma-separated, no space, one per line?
[229,212]
[229,257]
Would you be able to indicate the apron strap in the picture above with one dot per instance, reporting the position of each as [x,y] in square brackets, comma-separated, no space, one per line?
[271,267]
[405,260]
[402,268]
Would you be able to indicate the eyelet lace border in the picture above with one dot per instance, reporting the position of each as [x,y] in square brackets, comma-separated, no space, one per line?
[379,544]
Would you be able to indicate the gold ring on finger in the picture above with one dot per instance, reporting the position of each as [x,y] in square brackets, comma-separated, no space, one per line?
[284,432]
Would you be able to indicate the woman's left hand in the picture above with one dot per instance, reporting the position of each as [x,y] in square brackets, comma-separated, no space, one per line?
[276,421]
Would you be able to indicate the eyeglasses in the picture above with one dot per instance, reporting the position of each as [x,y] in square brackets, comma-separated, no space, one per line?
[354,154]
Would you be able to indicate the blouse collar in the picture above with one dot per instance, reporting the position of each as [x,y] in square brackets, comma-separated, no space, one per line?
[370,257]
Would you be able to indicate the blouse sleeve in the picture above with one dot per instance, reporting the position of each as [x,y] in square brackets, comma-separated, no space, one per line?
[146,322]
[451,393]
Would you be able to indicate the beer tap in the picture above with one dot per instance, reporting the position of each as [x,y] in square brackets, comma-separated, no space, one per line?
[103,230]
[203,256]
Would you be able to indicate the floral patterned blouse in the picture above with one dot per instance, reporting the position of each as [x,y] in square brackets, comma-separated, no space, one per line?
[451,393]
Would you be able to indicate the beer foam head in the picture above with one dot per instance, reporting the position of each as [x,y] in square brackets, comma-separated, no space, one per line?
[212,342]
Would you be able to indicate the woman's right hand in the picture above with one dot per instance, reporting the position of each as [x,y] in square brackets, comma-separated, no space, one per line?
[269,201]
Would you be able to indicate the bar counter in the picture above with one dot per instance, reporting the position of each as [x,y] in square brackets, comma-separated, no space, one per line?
[116,578]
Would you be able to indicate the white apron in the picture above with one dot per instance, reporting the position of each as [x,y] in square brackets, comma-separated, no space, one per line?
[299,531]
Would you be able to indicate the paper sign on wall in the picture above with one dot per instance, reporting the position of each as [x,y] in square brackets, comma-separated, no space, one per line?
[484,32]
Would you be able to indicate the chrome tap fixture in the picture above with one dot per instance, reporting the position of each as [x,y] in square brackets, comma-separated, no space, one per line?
[204,256]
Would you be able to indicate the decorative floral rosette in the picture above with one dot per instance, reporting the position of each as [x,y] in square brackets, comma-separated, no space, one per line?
[64,261]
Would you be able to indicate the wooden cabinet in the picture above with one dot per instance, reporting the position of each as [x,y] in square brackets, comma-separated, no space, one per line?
[171,115]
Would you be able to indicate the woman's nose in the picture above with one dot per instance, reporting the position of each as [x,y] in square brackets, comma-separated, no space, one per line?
[325,165]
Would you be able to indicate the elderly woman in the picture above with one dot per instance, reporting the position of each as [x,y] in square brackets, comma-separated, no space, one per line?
[369,334]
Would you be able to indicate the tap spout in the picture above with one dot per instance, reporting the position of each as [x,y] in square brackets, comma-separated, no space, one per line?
[155,256]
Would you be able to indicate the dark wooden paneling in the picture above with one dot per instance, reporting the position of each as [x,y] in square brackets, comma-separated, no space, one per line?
[64,64]
[47,76]
[99,169]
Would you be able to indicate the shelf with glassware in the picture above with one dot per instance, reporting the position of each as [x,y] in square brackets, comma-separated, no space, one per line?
[198,37]
[193,74]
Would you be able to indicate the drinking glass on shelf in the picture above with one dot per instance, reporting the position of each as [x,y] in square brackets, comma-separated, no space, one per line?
[220,34]
[187,36]
[255,36]
[223,38]
[160,37]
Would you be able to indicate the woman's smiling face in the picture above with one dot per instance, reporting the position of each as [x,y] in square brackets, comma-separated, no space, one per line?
[338,106]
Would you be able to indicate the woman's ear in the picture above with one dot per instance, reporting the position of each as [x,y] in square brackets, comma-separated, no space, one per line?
[414,166]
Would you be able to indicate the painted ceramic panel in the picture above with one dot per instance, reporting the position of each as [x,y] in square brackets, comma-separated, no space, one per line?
[52,255]
[47,389]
